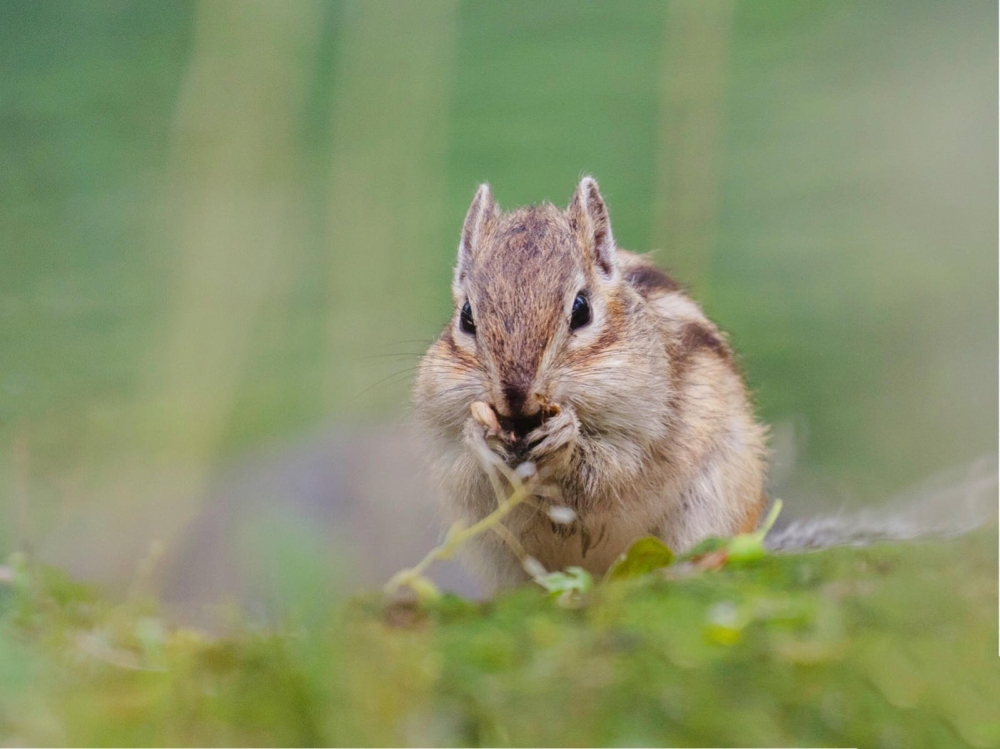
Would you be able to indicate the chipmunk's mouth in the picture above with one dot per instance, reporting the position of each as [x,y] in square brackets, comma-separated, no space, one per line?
[513,430]
[519,427]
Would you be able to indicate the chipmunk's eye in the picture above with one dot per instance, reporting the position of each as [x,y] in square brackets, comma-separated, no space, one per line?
[465,321]
[581,312]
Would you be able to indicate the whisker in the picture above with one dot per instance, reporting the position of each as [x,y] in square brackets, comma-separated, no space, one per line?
[423,341]
[400,355]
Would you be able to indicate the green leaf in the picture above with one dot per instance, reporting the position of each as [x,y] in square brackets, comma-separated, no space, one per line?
[703,547]
[567,587]
[747,547]
[643,556]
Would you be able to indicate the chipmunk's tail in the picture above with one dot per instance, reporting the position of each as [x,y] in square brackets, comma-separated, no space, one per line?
[951,503]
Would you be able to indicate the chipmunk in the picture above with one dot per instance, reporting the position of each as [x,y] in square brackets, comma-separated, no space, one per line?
[593,365]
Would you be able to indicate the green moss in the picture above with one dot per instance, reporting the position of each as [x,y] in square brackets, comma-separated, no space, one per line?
[885,646]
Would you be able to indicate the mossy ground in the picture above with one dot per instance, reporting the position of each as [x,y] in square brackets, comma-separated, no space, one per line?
[888,646]
[853,266]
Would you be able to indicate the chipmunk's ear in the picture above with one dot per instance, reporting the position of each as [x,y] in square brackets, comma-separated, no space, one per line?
[483,209]
[588,215]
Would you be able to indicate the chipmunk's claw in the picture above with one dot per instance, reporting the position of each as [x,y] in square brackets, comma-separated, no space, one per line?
[555,435]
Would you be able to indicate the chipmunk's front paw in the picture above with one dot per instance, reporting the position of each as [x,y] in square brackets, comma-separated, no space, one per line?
[555,438]
[485,441]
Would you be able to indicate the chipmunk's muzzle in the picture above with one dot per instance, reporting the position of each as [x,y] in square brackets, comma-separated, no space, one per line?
[516,427]
[514,419]
[519,427]
[524,412]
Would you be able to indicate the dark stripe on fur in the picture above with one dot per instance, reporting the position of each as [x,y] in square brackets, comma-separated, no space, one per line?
[648,278]
[696,336]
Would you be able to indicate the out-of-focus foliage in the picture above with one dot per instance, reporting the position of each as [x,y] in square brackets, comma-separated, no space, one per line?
[642,557]
[229,221]
[887,646]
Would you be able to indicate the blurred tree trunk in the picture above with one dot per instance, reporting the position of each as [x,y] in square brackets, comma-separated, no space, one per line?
[228,217]
[233,189]
[691,113]
[393,85]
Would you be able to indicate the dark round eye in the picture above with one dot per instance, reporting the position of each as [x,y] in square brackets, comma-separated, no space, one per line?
[466,322]
[581,312]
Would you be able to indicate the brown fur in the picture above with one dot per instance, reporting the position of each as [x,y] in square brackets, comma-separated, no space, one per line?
[653,428]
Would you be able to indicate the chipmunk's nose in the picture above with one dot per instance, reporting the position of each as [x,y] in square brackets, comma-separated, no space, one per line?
[515,395]
[520,399]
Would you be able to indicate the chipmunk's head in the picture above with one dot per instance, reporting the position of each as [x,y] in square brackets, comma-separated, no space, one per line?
[536,303]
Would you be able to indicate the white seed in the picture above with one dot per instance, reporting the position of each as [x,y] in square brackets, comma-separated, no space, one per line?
[485,415]
[561,514]
[525,471]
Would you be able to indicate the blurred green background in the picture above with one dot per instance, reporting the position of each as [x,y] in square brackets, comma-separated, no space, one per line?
[227,223]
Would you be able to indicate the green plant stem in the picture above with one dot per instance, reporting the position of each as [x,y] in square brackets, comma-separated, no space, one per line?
[455,539]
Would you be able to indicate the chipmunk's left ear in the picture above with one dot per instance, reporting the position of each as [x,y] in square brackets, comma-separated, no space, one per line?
[483,210]
[588,215]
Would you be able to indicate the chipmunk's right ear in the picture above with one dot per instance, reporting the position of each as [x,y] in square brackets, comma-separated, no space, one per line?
[588,215]
[483,210]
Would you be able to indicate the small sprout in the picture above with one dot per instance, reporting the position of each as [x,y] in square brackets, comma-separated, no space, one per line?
[715,553]
[772,516]
[749,547]
[568,587]
[526,470]
[745,548]
[561,514]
